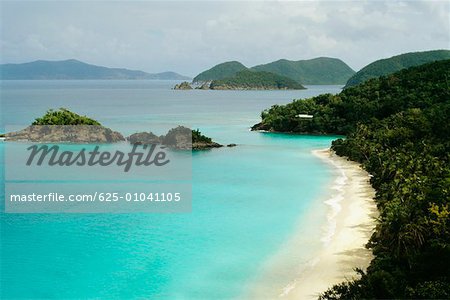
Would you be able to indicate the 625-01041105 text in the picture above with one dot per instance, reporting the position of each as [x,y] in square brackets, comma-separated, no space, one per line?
[98,197]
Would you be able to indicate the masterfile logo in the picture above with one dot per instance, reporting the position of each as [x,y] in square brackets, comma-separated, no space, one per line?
[147,156]
[76,177]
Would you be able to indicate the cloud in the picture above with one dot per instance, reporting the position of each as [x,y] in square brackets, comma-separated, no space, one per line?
[188,36]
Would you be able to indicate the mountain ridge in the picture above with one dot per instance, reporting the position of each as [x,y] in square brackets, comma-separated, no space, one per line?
[319,70]
[387,66]
[75,69]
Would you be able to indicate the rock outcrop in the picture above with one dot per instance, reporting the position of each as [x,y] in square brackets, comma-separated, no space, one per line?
[178,138]
[183,86]
[260,126]
[144,138]
[204,86]
[205,146]
[184,138]
[65,133]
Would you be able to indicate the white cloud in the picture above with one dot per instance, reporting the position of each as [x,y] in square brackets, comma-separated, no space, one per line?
[190,36]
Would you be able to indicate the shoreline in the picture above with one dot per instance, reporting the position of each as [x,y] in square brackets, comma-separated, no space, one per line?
[350,213]
[351,222]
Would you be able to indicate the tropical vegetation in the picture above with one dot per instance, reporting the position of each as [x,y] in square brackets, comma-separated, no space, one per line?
[63,117]
[198,137]
[247,79]
[398,128]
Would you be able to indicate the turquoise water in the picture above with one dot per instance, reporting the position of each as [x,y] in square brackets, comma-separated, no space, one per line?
[247,200]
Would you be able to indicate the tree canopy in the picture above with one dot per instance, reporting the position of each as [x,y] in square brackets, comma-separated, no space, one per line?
[247,79]
[63,117]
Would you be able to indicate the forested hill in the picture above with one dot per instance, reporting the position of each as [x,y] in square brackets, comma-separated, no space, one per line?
[74,69]
[397,127]
[220,71]
[379,98]
[388,66]
[253,80]
[321,70]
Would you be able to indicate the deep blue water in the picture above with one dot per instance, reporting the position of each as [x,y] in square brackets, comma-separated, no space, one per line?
[247,200]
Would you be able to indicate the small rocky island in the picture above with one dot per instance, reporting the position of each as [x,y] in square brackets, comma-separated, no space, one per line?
[247,80]
[179,137]
[62,125]
[183,86]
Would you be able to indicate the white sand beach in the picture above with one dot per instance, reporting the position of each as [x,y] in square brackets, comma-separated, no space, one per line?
[351,213]
[354,218]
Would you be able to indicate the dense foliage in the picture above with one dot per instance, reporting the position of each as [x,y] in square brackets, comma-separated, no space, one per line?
[220,71]
[247,79]
[321,70]
[388,66]
[398,128]
[198,137]
[63,117]
[374,100]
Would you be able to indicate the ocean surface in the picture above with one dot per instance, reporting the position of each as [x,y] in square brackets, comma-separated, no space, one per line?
[247,200]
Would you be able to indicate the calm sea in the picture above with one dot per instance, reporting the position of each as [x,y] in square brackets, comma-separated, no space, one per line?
[247,200]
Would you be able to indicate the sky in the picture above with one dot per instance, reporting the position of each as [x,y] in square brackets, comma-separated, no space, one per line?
[190,36]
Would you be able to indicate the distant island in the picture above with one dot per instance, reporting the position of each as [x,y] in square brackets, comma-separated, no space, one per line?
[396,63]
[247,80]
[254,80]
[77,70]
[317,71]
[179,137]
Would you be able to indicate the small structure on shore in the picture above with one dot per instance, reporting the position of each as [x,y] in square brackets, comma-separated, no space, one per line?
[305,116]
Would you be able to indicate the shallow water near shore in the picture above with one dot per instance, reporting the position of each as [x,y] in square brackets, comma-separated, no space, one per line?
[247,200]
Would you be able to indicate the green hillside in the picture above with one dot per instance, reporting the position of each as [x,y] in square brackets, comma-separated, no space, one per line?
[397,128]
[220,71]
[321,70]
[396,63]
[252,80]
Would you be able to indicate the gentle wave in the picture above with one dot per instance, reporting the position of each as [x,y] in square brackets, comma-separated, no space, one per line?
[335,204]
